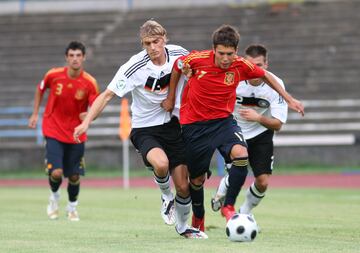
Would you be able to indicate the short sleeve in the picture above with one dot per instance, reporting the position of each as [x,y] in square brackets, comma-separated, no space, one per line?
[45,82]
[179,63]
[278,105]
[94,92]
[250,70]
[122,84]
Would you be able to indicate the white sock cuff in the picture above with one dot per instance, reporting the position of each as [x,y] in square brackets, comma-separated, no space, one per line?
[73,204]
[254,191]
[182,201]
[55,195]
[162,180]
[227,181]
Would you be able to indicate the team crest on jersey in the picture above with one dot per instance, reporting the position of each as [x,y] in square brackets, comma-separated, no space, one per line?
[229,78]
[180,64]
[80,94]
[120,84]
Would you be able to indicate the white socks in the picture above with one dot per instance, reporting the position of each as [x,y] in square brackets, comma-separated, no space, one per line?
[252,199]
[164,185]
[55,195]
[182,212]
[72,206]
[223,186]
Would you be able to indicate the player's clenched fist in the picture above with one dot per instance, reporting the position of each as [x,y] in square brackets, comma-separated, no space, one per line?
[33,121]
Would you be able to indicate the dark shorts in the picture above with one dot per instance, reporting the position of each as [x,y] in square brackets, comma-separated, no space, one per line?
[65,156]
[202,138]
[167,137]
[261,153]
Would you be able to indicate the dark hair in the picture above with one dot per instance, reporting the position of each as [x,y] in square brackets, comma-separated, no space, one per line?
[227,36]
[256,50]
[74,45]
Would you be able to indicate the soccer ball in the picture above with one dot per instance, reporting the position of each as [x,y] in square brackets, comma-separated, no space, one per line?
[241,228]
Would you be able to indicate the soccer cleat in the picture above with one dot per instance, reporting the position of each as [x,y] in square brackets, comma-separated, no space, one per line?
[217,202]
[72,213]
[198,223]
[193,233]
[227,211]
[53,208]
[168,211]
[73,216]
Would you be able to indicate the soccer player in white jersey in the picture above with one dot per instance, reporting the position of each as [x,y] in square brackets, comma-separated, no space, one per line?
[259,112]
[155,133]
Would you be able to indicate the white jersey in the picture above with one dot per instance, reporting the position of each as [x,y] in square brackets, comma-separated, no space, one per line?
[264,100]
[179,91]
[148,84]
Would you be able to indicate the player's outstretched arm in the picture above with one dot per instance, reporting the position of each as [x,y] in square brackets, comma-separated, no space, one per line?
[96,108]
[169,103]
[35,115]
[293,103]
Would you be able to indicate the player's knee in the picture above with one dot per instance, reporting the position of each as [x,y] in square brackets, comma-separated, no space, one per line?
[74,179]
[161,167]
[238,151]
[57,174]
[182,189]
[197,183]
[261,183]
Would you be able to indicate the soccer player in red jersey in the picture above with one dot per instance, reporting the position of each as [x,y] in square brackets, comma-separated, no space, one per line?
[207,104]
[72,91]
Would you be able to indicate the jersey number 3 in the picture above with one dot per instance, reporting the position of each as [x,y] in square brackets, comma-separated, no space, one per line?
[59,88]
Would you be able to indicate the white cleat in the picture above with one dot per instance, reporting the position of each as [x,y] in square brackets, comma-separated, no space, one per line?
[193,233]
[168,211]
[53,208]
[217,202]
[72,213]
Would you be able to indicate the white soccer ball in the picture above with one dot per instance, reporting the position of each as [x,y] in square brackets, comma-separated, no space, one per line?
[241,228]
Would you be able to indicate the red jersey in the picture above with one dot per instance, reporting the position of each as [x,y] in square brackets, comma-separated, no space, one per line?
[211,91]
[67,99]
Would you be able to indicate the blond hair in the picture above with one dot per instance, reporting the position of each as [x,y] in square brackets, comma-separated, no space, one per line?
[151,28]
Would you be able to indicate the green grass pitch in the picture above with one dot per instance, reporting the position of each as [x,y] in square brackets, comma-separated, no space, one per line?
[116,220]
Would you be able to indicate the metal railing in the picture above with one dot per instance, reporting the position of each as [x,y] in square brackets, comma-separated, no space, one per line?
[14,123]
[20,121]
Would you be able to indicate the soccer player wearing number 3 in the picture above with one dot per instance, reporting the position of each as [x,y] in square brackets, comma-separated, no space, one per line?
[72,91]
[259,111]
[155,133]
[207,104]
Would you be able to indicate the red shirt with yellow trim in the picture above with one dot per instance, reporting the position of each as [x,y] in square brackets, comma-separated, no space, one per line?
[67,99]
[211,91]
